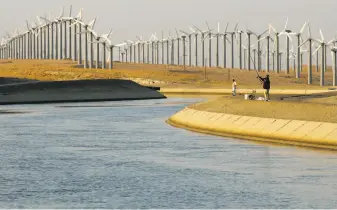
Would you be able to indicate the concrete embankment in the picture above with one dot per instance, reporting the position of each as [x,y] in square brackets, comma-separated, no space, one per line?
[75,91]
[292,132]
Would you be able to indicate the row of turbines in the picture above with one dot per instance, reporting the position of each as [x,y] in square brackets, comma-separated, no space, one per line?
[67,37]
[241,46]
[64,37]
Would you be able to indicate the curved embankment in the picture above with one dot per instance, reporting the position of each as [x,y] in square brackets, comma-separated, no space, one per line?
[74,91]
[291,132]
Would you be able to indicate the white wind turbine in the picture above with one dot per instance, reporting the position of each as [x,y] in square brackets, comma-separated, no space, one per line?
[203,37]
[225,40]
[277,40]
[299,39]
[310,54]
[232,40]
[87,29]
[332,44]
[140,44]
[334,61]
[109,47]
[268,38]
[258,38]
[190,43]
[196,33]
[101,40]
[322,46]
[238,33]
[287,32]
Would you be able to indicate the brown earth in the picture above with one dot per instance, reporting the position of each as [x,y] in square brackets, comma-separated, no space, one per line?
[154,75]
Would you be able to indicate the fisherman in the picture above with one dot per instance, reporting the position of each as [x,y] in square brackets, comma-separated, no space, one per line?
[266,86]
[234,88]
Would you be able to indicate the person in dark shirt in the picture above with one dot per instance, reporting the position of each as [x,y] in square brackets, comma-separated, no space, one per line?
[266,86]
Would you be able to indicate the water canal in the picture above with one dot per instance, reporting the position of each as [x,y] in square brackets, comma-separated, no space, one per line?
[124,155]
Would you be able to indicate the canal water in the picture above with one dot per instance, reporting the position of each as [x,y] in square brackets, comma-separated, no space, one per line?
[124,155]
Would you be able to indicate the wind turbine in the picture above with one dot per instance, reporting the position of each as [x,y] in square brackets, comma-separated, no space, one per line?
[46,37]
[190,45]
[87,29]
[110,48]
[203,37]
[239,34]
[299,39]
[268,39]
[98,41]
[178,38]
[277,40]
[196,33]
[287,32]
[334,60]
[258,37]
[232,40]
[217,35]
[310,44]
[225,40]
[322,46]
[140,44]
[76,23]
[162,41]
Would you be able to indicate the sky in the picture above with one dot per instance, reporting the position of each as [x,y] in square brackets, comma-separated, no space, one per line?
[131,18]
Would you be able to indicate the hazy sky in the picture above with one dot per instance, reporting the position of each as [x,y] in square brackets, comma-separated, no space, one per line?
[129,18]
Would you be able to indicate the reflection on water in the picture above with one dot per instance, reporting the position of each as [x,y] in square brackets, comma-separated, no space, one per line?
[123,155]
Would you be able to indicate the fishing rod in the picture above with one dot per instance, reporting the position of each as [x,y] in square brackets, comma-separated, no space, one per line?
[257,73]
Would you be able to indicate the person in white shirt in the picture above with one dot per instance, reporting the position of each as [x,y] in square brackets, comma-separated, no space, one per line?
[234,87]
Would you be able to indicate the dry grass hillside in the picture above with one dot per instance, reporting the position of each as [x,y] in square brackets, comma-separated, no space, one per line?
[157,75]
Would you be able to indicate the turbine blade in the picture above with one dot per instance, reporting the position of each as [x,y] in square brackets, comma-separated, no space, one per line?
[271,27]
[331,41]
[303,43]
[285,27]
[303,27]
[263,32]
[236,26]
[197,29]
[27,25]
[192,29]
[79,16]
[92,23]
[309,30]
[62,12]
[183,32]
[226,27]
[208,26]
[316,50]
[322,37]
[289,37]
[71,10]
[177,33]
[262,39]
